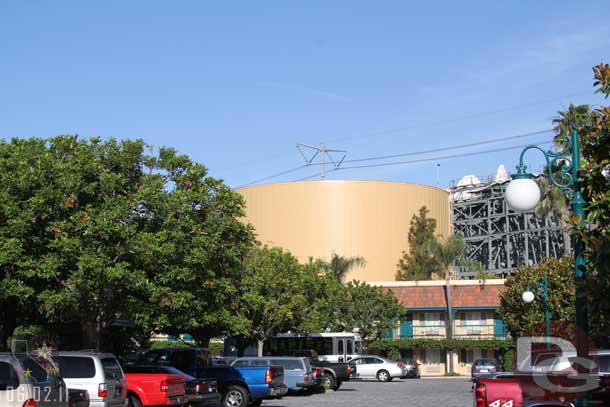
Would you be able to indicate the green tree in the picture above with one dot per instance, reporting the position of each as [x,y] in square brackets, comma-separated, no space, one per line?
[340,266]
[94,231]
[520,317]
[554,202]
[595,179]
[574,118]
[372,310]
[418,264]
[449,252]
[272,297]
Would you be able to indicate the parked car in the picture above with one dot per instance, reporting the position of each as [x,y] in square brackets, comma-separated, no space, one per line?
[412,368]
[484,367]
[331,375]
[239,387]
[376,367]
[298,373]
[98,373]
[24,383]
[147,386]
[199,392]
[603,360]
[78,398]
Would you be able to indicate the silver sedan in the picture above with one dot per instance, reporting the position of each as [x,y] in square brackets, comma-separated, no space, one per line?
[376,367]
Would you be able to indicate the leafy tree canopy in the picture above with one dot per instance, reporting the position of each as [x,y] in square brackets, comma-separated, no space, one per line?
[520,317]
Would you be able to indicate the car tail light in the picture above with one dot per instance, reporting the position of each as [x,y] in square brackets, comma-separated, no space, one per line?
[414,365]
[102,390]
[480,395]
[350,369]
[268,377]
[316,372]
[202,388]
[30,403]
[400,365]
[306,378]
[164,385]
[212,387]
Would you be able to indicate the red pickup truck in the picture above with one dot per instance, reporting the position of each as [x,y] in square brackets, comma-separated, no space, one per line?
[153,389]
[523,390]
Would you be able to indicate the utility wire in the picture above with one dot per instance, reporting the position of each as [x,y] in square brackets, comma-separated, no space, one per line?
[279,174]
[446,157]
[455,147]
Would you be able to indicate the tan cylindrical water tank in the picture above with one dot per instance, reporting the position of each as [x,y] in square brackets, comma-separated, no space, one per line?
[351,218]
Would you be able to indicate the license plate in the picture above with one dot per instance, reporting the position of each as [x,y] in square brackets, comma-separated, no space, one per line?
[484,370]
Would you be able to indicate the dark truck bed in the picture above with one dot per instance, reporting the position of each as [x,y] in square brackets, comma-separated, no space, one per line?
[332,375]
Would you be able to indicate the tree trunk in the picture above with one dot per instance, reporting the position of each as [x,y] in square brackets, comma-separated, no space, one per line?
[260,343]
[8,324]
[449,327]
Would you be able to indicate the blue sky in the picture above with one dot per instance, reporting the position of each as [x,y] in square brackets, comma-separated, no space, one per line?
[236,85]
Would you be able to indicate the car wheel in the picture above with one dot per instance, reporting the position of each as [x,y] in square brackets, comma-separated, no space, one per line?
[328,381]
[383,376]
[235,396]
[134,402]
[339,383]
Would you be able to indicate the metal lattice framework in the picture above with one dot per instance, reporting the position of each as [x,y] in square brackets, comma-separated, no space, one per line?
[496,236]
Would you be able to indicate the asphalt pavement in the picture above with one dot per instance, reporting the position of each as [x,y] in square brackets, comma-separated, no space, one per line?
[454,392]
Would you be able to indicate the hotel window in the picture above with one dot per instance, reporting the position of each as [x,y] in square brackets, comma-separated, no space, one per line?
[433,319]
[466,356]
[473,318]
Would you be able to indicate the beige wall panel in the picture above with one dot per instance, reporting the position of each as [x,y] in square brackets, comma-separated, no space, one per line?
[365,218]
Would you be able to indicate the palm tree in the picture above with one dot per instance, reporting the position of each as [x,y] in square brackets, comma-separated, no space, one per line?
[554,201]
[339,266]
[574,118]
[449,252]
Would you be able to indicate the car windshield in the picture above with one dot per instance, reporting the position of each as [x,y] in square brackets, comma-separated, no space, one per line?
[485,362]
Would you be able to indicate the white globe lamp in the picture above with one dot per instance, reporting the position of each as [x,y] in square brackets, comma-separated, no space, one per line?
[527,297]
[522,193]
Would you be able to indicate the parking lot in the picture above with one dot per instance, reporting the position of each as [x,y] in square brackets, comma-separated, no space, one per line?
[411,392]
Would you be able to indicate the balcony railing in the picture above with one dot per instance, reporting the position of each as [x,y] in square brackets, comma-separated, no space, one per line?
[460,330]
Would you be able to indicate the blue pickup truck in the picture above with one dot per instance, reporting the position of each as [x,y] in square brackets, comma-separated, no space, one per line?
[238,386]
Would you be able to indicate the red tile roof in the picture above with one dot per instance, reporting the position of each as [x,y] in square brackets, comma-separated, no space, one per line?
[426,296]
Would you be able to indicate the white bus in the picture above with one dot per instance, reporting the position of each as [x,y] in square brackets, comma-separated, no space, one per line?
[330,346]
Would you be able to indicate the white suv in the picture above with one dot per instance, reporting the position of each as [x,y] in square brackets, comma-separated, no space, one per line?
[24,383]
[98,373]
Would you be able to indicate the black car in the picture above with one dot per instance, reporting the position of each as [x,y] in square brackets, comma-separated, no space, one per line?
[331,375]
[412,368]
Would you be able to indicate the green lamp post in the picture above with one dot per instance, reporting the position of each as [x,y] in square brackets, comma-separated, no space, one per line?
[528,297]
[523,195]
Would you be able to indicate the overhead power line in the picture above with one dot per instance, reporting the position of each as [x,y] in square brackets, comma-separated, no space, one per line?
[279,174]
[407,154]
[454,147]
[446,157]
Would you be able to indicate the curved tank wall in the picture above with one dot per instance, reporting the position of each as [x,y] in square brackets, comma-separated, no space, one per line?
[351,218]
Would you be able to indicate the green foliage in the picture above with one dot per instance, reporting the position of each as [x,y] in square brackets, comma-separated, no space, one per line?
[272,295]
[452,374]
[391,346]
[509,360]
[372,310]
[339,266]
[520,317]
[95,231]
[595,179]
[418,264]
[169,344]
